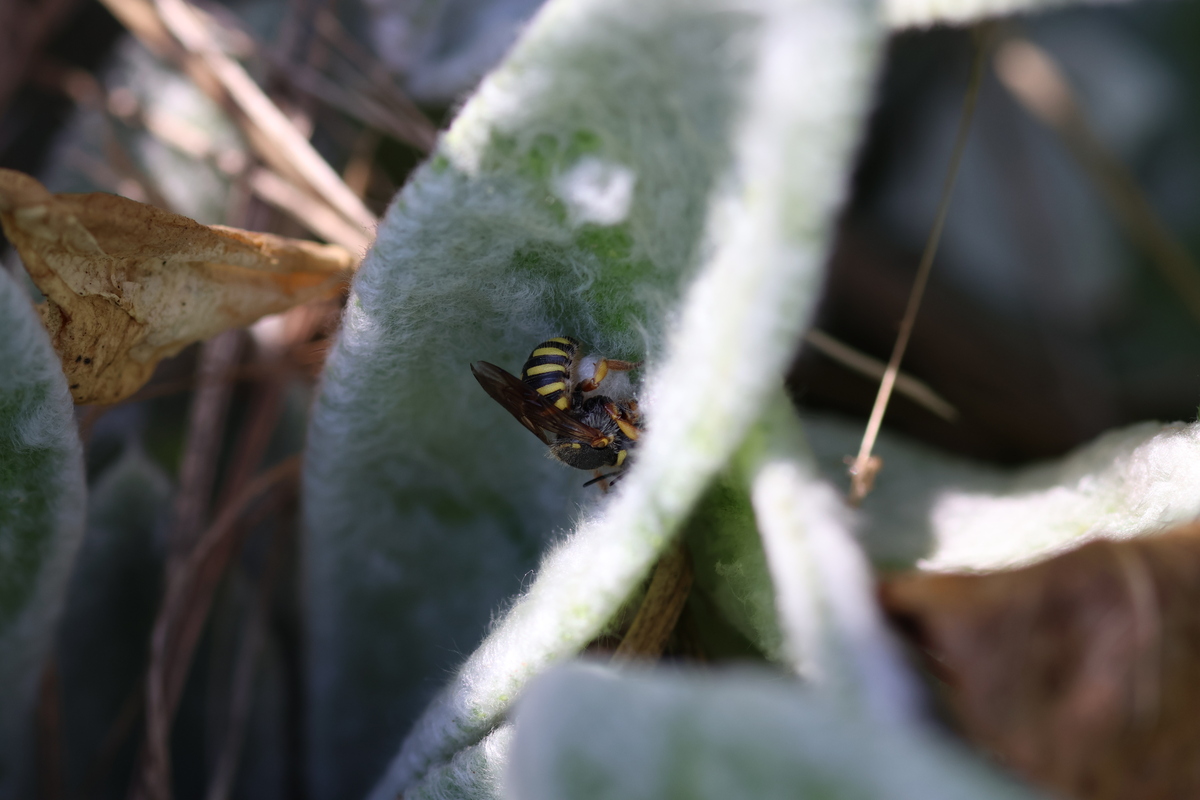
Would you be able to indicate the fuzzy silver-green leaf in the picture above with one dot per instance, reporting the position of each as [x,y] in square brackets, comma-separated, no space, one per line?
[41,520]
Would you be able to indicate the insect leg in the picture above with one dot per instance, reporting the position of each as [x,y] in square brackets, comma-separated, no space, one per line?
[623,420]
[602,367]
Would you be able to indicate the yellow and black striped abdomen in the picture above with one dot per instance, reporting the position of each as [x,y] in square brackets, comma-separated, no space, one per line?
[549,370]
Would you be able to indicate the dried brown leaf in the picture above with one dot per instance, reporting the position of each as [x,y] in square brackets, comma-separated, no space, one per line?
[128,284]
[659,613]
[1079,672]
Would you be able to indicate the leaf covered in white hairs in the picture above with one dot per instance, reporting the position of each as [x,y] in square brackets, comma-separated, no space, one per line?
[946,513]
[823,585]
[924,13]
[109,611]
[654,178]
[583,733]
[41,519]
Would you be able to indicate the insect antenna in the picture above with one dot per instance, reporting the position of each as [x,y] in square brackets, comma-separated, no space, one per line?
[613,476]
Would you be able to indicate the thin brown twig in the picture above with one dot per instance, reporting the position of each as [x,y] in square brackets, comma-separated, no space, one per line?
[125,165]
[287,143]
[916,390]
[206,428]
[303,358]
[154,391]
[100,172]
[309,211]
[118,733]
[366,94]
[197,477]
[265,406]
[269,131]
[329,26]
[120,172]
[266,401]
[317,54]
[1031,76]
[357,172]
[181,618]
[345,97]
[866,466]
[211,569]
[49,734]
[253,638]
[379,77]
[1146,615]
[660,609]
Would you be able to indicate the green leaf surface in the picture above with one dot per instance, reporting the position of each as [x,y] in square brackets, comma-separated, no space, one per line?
[823,586]
[729,564]
[41,519]
[110,608]
[426,504]
[585,733]
[655,178]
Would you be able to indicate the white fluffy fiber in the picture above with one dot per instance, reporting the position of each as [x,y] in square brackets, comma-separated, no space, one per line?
[1128,482]
[947,513]
[584,733]
[42,498]
[474,773]
[920,13]
[823,584]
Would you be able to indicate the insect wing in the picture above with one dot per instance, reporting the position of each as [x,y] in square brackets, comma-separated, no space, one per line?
[528,406]
[558,422]
[511,392]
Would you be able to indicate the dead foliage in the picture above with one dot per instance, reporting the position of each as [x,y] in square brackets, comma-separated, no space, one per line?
[1079,672]
[127,284]
[659,613]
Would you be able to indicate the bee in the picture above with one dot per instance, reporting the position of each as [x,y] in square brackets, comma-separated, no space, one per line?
[554,396]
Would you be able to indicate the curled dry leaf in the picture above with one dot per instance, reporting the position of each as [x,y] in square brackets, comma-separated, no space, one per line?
[127,284]
[1079,672]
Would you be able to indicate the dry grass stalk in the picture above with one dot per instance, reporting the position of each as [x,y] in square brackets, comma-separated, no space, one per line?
[128,284]
[310,212]
[185,608]
[866,466]
[254,637]
[122,175]
[206,425]
[412,124]
[1035,80]
[115,738]
[362,107]
[916,390]
[289,149]
[655,619]
[175,32]
[49,734]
